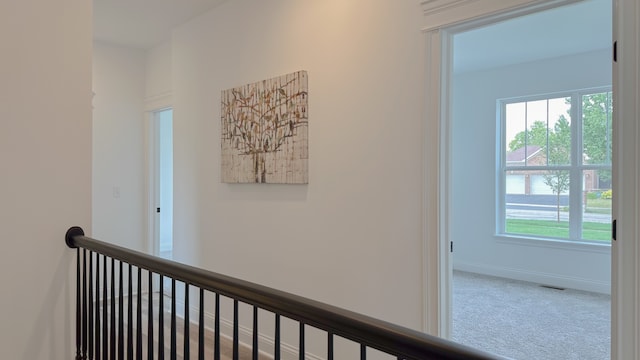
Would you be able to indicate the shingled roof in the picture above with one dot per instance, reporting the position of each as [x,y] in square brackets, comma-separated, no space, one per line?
[520,154]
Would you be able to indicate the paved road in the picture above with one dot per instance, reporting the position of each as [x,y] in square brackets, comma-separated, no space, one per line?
[553,215]
[538,199]
[544,207]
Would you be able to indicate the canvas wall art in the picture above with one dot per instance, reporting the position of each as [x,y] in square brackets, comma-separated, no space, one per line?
[265,131]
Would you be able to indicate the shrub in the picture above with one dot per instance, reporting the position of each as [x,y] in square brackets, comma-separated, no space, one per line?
[607,194]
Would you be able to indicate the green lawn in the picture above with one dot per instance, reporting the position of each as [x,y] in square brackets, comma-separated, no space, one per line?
[549,228]
[598,206]
[600,203]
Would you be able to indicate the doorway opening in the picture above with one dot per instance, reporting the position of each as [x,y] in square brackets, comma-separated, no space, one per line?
[162,184]
[561,55]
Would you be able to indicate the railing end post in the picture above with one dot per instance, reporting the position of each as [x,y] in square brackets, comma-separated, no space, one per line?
[71,233]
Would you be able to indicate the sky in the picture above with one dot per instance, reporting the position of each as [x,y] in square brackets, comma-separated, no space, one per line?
[519,114]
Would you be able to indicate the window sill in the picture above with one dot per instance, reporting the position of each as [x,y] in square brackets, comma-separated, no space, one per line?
[554,243]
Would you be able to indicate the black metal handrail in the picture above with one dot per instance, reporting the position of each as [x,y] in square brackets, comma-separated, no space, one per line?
[400,342]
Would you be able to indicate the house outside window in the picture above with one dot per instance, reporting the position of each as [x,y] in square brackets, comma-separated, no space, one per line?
[555,166]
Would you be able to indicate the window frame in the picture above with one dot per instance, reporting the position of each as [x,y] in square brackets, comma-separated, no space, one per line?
[575,168]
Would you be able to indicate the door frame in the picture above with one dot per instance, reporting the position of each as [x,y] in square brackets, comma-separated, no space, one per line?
[442,15]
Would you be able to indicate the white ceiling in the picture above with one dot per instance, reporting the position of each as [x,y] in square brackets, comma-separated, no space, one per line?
[143,23]
[571,29]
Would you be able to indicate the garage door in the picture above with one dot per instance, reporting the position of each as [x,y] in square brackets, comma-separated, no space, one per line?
[515,184]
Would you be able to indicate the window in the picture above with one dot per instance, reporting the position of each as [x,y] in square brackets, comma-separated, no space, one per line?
[555,166]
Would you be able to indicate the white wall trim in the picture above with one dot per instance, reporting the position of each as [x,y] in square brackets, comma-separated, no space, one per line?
[288,351]
[625,311]
[436,294]
[446,13]
[542,278]
[158,102]
[437,6]
[245,334]
[150,181]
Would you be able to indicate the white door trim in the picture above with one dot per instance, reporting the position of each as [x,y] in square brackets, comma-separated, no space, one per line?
[436,257]
[625,309]
[441,15]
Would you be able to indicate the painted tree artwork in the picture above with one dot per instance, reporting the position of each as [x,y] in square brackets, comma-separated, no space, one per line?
[265,131]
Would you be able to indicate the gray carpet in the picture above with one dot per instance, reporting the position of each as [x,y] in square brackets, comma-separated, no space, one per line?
[522,320]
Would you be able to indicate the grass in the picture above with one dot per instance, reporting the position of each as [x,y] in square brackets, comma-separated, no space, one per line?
[548,228]
[598,206]
[599,203]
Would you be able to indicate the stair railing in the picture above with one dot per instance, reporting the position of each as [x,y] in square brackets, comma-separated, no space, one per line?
[105,326]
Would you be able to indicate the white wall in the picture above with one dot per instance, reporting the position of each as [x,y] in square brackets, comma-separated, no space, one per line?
[352,236]
[477,248]
[45,155]
[158,73]
[118,145]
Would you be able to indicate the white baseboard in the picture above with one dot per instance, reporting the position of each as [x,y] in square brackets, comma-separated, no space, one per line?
[536,277]
[245,334]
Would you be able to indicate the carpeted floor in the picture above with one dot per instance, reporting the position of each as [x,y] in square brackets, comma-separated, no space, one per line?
[522,320]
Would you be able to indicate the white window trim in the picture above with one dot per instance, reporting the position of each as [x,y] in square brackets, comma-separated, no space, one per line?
[576,168]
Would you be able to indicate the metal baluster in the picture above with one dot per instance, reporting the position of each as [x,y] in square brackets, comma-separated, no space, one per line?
[150,319]
[90,335]
[139,317]
[276,343]
[255,333]
[330,347]
[216,329]
[363,352]
[173,320]
[105,319]
[235,329]
[302,351]
[121,317]
[130,315]
[98,349]
[201,327]
[113,310]
[84,302]
[78,308]
[186,322]
[161,320]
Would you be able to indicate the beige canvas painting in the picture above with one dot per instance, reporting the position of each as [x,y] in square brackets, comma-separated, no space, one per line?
[264,131]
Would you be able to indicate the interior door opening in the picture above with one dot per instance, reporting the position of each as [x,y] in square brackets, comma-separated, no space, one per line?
[163,181]
[561,53]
